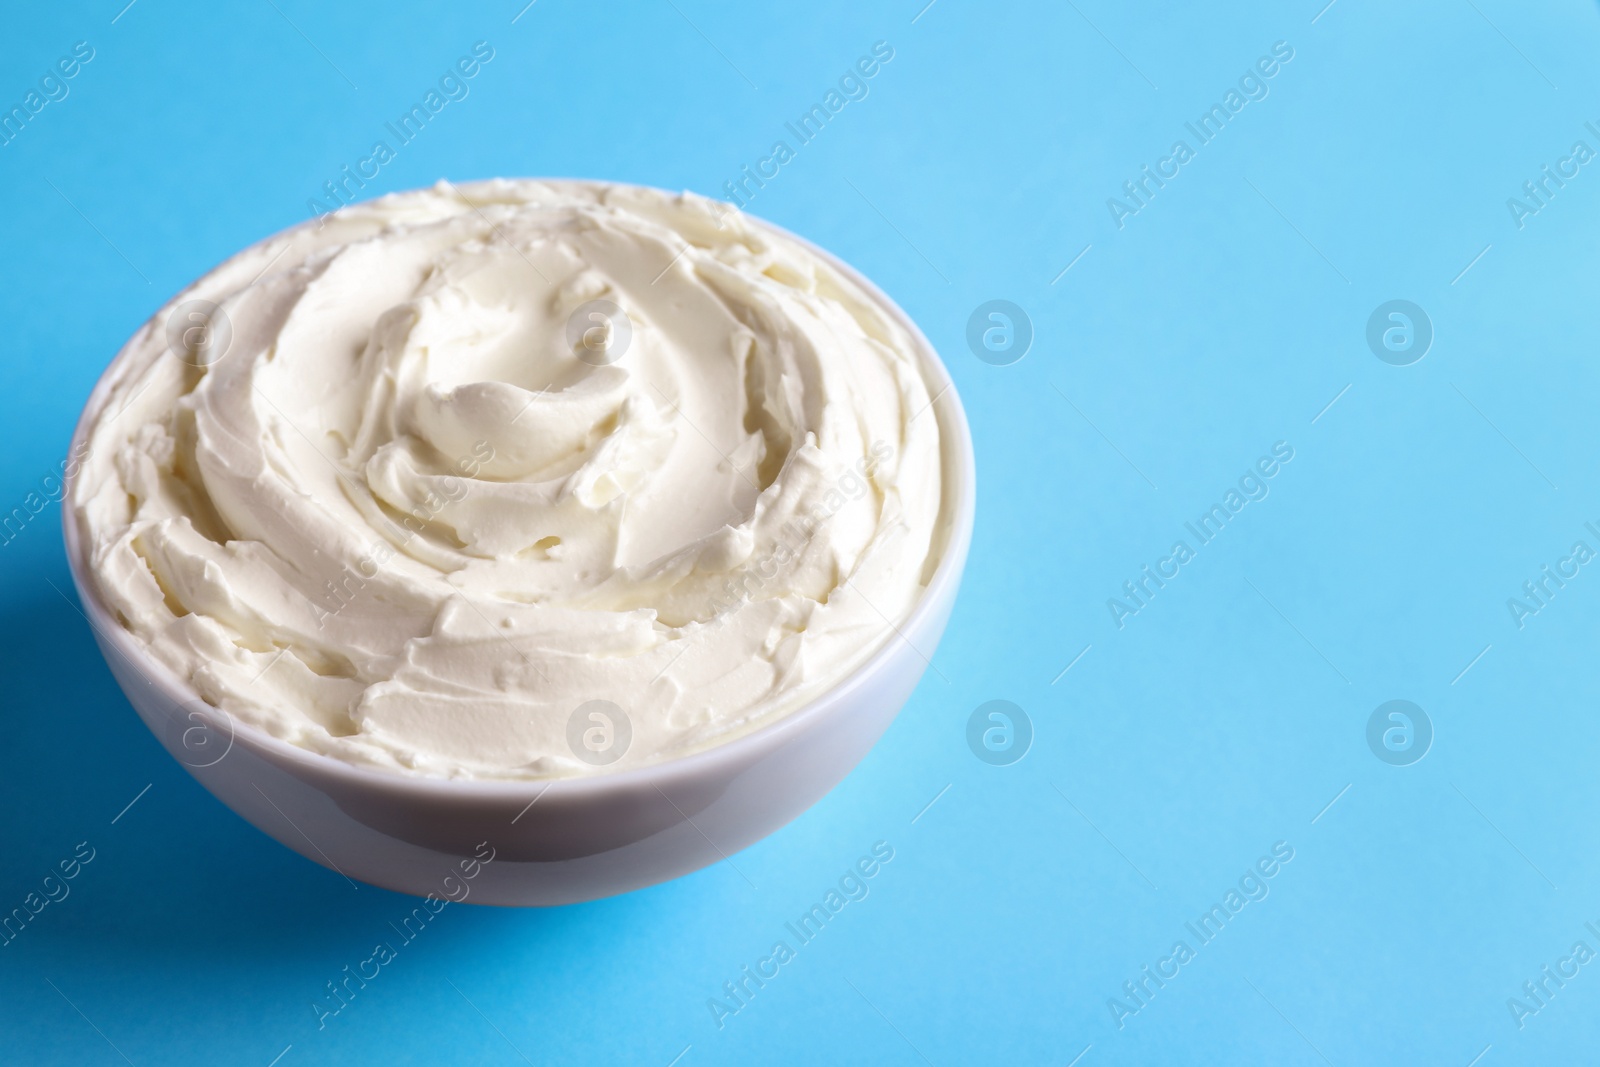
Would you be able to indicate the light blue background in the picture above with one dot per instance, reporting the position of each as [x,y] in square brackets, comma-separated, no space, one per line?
[1224,717]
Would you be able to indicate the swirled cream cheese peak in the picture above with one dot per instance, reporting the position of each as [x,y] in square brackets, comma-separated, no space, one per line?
[515,480]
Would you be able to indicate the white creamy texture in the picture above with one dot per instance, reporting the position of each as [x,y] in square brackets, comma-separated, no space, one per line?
[401,522]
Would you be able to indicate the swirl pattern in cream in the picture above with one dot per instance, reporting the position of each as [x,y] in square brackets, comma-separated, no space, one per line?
[414,486]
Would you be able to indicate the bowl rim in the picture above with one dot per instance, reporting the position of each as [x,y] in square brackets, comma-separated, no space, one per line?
[960,467]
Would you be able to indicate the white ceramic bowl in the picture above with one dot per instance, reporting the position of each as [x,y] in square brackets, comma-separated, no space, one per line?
[567,839]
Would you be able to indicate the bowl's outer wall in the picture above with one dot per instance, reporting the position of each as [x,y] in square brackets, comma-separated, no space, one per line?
[563,848]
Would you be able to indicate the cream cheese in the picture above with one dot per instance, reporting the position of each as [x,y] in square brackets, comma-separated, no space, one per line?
[417,486]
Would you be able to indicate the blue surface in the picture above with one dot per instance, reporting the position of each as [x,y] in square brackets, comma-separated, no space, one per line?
[1230,713]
